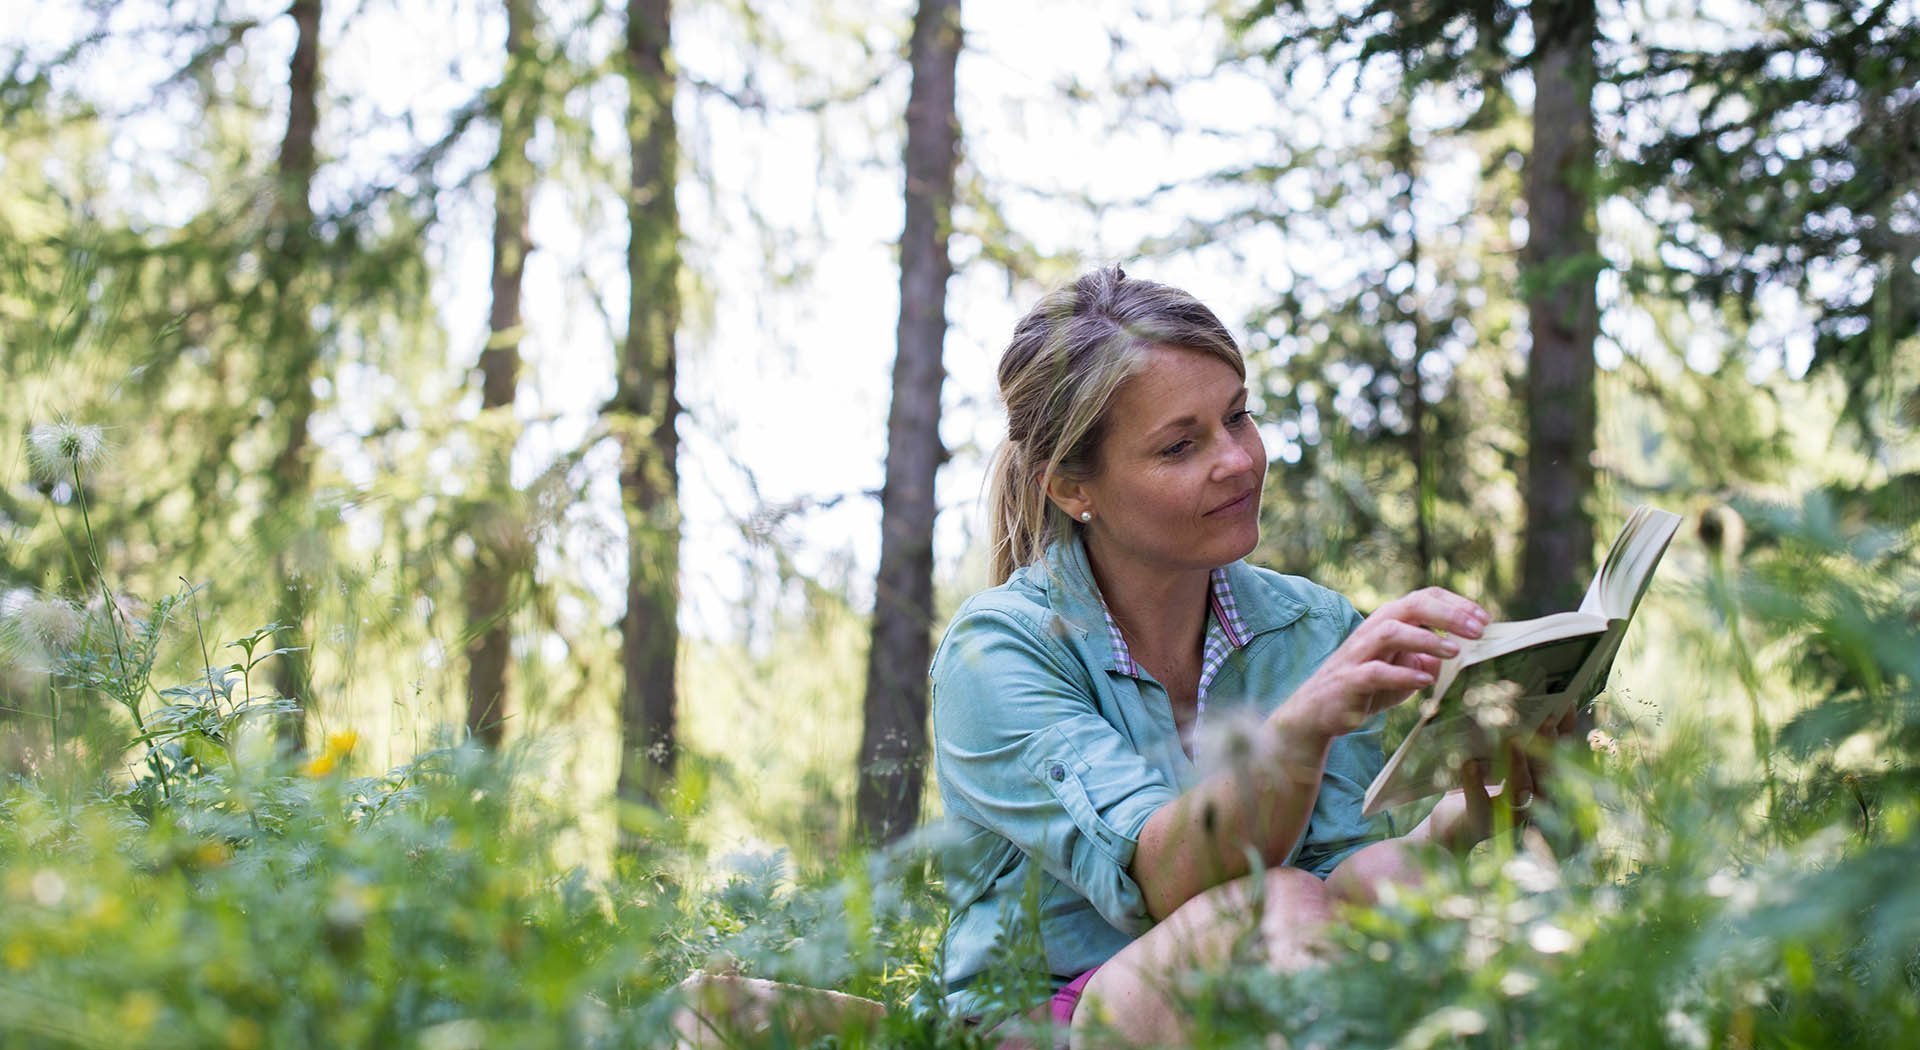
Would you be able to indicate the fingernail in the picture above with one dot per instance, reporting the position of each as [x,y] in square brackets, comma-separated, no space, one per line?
[1449,647]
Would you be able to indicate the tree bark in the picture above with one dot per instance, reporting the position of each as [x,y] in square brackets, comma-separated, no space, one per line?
[893,745]
[645,412]
[291,339]
[496,554]
[1406,162]
[1561,265]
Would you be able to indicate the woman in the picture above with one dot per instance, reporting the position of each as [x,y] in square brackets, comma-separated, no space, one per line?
[1090,829]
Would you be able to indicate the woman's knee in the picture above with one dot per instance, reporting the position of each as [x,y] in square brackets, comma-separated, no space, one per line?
[1297,893]
[1360,878]
[1294,909]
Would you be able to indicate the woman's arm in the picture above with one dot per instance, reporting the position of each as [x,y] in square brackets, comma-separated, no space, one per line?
[1202,838]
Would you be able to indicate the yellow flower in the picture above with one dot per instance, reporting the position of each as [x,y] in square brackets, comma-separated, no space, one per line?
[138,1012]
[212,854]
[339,746]
[243,1033]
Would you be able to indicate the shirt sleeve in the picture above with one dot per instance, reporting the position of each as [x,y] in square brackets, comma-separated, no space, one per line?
[1023,751]
[1337,829]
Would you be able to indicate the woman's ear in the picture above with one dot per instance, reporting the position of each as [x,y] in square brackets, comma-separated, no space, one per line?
[1071,497]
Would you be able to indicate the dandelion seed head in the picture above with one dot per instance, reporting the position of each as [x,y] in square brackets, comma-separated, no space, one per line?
[1685,1029]
[1514,984]
[49,889]
[51,623]
[1531,874]
[1454,907]
[56,451]
[462,1034]
[1445,1025]
[1548,939]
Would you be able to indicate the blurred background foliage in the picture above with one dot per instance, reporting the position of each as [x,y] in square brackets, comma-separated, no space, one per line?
[332,401]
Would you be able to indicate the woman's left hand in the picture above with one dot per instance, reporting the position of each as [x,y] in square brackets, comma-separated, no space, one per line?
[1464,817]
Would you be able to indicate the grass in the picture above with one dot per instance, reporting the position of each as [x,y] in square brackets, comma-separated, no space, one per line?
[1735,864]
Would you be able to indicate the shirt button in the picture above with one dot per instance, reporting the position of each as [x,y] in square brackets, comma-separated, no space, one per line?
[1058,772]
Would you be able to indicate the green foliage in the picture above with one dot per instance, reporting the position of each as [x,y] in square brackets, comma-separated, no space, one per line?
[230,894]
[1775,154]
[380,909]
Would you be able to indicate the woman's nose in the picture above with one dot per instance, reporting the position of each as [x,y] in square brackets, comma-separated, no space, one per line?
[1235,457]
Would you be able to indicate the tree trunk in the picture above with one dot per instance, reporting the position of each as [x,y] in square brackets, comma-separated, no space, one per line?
[291,340]
[893,744]
[495,560]
[1406,163]
[1561,265]
[645,412]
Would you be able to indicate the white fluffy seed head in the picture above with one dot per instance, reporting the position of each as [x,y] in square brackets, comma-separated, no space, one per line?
[51,623]
[57,451]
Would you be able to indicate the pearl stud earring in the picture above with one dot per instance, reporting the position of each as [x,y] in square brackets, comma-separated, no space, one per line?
[1086,516]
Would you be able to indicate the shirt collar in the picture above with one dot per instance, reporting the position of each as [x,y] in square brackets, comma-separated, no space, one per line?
[1250,605]
[1226,631]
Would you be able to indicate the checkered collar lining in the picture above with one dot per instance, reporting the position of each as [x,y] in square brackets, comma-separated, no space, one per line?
[1225,633]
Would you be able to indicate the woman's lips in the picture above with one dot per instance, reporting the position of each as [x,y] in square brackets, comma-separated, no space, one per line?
[1239,502]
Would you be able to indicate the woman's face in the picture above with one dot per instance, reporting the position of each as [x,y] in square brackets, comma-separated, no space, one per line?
[1181,465]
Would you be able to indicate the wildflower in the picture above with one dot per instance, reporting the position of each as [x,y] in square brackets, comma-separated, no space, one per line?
[339,746]
[56,451]
[1445,1025]
[138,1012]
[49,889]
[1514,984]
[18,955]
[1684,1029]
[51,623]
[1548,939]
[243,1033]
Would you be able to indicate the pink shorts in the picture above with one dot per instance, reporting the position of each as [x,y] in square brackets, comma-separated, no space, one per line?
[1067,998]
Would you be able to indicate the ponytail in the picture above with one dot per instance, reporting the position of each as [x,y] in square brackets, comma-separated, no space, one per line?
[1023,519]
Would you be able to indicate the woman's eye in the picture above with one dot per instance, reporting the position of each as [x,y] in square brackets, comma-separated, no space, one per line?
[1240,418]
[1177,447]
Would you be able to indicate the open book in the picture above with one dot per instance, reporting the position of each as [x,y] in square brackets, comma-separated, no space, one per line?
[1516,677]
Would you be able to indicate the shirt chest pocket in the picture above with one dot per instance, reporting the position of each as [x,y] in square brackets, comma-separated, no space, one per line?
[1060,769]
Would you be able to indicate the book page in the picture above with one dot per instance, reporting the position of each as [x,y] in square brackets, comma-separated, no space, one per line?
[1510,637]
[1627,569]
[1490,701]
[1517,676]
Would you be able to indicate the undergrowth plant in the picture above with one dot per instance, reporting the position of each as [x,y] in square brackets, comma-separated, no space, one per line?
[178,876]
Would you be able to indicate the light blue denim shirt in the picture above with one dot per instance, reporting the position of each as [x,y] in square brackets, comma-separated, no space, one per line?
[1052,750]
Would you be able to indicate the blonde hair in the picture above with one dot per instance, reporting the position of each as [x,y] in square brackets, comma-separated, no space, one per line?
[1068,357]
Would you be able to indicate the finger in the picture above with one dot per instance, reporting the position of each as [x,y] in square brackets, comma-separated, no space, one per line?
[1389,638]
[1519,777]
[1439,609]
[1540,766]
[1473,786]
[1380,677]
[1569,722]
[1420,662]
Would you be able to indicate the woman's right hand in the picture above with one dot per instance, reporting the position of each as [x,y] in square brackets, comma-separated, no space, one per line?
[1391,654]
